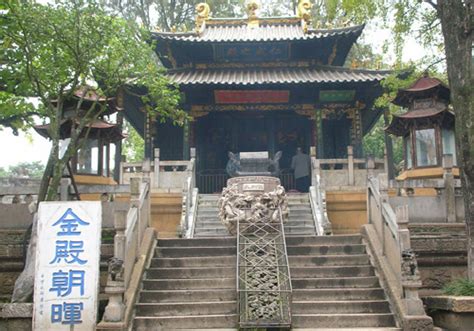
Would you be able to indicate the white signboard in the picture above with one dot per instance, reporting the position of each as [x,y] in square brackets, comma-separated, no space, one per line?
[67,266]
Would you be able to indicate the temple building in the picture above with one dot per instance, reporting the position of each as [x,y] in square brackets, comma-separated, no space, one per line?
[261,84]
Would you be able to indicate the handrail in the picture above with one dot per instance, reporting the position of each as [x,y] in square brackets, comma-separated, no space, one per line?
[388,240]
[193,214]
[317,198]
[189,199]
[83,189]
[131,228]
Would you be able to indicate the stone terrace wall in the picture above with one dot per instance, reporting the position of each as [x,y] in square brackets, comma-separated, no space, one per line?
[441,251]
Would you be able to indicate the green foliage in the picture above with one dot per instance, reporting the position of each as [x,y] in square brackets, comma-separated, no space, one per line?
[133,147]
[166,15]
[48,51]
[459,287]
[33,169]
[374,144]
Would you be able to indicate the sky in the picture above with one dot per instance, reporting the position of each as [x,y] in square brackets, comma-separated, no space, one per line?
[15,149]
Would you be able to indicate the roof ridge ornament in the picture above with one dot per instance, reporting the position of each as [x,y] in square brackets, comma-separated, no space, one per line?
[203,13]
[252,6]
[304,13]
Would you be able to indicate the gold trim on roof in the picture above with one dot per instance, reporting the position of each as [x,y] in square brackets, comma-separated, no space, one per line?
[252,7]
[304,13]
[202,10]
[262,20]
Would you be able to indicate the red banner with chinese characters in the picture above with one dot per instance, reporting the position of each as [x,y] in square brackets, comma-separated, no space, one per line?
[251,96]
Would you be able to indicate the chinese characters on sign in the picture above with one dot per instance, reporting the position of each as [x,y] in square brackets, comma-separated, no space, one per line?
[67,266]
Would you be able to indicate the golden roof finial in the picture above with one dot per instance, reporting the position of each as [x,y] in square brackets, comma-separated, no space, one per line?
[252,7]
[304,12]
[202,10]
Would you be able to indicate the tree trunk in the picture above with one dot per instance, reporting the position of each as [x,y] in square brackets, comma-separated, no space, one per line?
[455,17]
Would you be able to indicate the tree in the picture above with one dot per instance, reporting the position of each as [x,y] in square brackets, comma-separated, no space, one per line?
[454,18]
[133,146]
[167,15]
[50,51]
[33,169]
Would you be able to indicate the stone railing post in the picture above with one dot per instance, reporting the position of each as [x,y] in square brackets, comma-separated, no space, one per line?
[383,190]
[135,191]
[114,312]
[123,159]
[193,158]
[448,177]
[146,169]
[156,168]
[370,166]
[64,189]
[350,165]
[411,281]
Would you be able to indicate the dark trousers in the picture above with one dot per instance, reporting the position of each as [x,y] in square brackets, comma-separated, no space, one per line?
[302,183]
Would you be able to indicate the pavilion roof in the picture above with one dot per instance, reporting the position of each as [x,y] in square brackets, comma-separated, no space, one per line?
[284,75]
[111,132]
[400,124]
[269,29]
[424,87]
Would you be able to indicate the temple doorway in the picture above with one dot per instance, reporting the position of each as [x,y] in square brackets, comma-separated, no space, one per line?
[219,133]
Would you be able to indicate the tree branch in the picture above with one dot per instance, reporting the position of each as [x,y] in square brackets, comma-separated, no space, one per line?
[432,4]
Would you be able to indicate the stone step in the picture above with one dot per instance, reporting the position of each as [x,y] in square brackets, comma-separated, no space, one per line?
[338,294]
[346,329]
[340,307]
[340,282]
[209,225]
[145,323]
[211,261]
[326,249]
[197,242]
[299,212]
[185,308]
[209,232]
[194,251]
[302,230]
[196,272]
[188,284]
[343,320]
[210,235]
[334,260]
[324,240]
[331,271]
[305,219]
[199,295]
[211,218]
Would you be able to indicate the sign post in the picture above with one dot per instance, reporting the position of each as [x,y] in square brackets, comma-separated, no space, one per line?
[67,265]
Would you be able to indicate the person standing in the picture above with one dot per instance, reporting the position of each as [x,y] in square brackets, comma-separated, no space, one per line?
[301,165]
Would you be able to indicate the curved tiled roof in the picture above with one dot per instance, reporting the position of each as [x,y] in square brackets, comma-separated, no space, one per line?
[274,76]
[264,32]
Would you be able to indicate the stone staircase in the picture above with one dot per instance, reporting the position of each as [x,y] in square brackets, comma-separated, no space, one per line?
[191,284]
[300,221]
[334,285]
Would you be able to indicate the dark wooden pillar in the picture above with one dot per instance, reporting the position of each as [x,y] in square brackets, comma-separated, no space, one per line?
[186,140]
[118,149]
[148,139]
